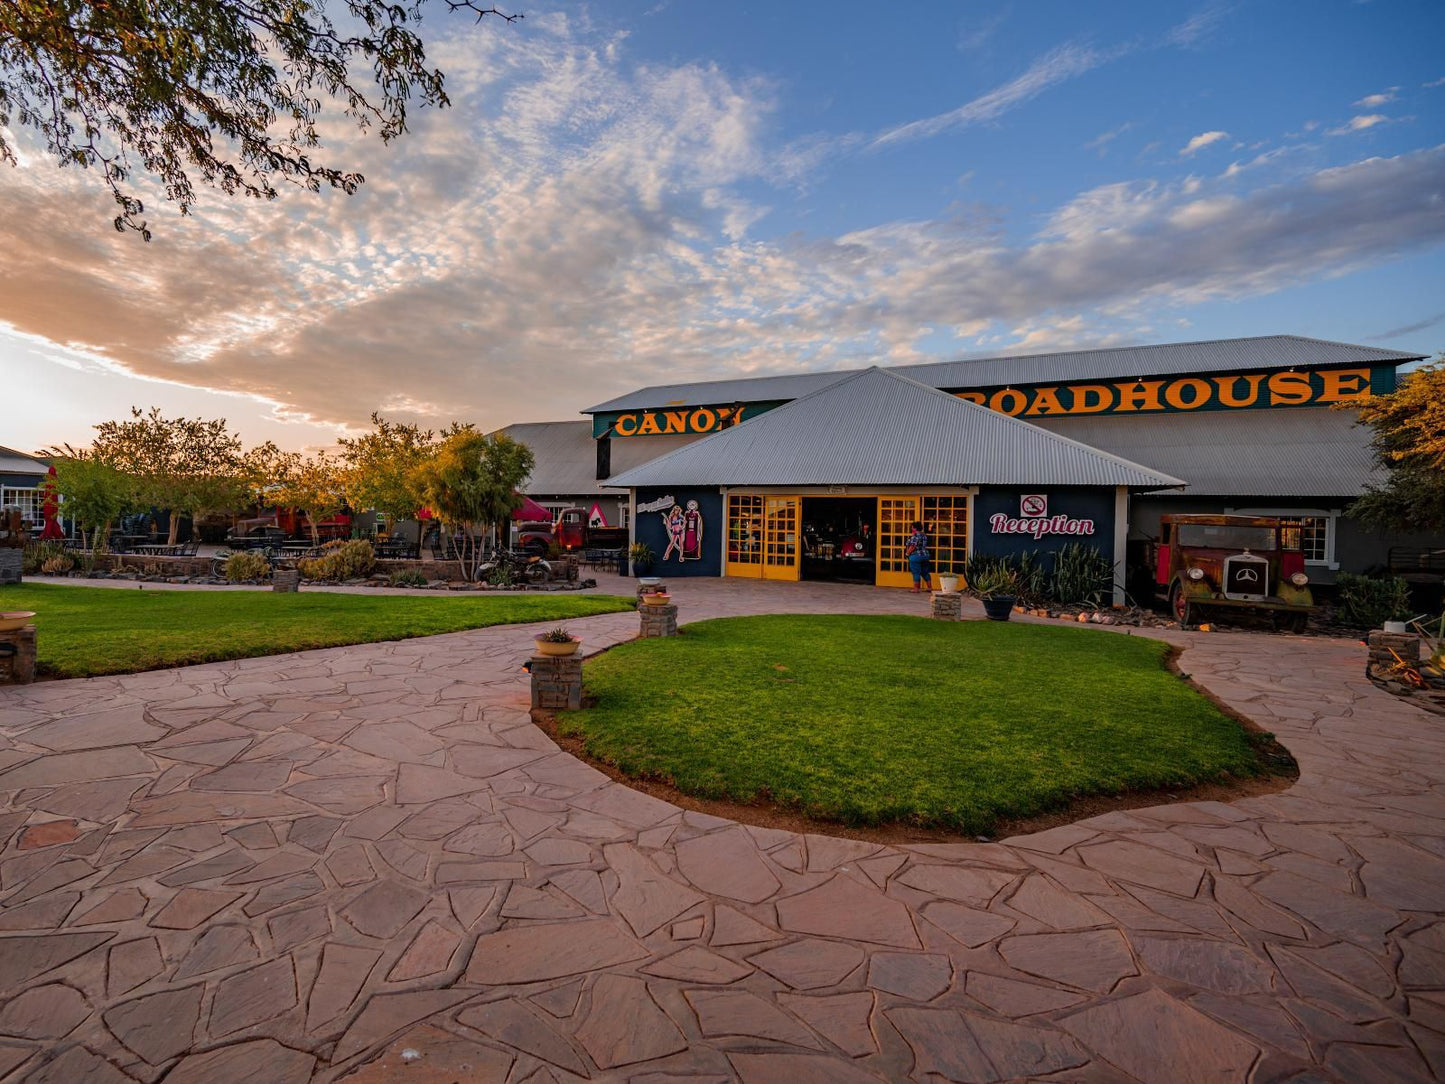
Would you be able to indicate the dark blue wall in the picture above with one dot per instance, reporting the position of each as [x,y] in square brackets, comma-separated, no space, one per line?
[650,528]
[1096,504]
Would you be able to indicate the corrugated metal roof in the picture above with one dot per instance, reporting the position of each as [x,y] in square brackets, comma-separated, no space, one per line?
[13,462]
[879,428]
[1163,359]
[566,456]
[1300,452]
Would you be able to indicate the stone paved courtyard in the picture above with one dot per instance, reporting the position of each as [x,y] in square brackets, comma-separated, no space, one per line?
[294,868]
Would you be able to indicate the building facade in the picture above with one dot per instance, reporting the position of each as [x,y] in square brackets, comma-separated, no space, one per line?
[1258,425]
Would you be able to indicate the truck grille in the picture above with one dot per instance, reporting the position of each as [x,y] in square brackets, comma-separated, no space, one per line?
[1246,577]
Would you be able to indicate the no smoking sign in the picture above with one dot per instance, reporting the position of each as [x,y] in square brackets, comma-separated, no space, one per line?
[1033,505]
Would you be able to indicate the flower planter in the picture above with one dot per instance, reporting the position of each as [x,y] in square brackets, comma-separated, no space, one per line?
[11,620]
[656,599]
[999,607]
[555,650]
[948,584]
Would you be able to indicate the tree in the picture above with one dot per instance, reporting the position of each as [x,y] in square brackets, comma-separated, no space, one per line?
[95,492]
[310,483]
[230,89]
[471,483]
[1409,445]
[185,465]
[380,467]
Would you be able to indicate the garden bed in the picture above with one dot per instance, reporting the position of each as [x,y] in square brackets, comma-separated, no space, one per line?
[870,721]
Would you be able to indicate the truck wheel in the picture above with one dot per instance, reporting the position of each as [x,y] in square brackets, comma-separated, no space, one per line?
[1179,605]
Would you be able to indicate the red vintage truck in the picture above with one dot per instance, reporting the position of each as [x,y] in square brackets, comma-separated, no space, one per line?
[1223,565]
[572,533]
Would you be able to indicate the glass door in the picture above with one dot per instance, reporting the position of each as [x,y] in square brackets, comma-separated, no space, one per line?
[896,516]
[744,555]
[780,538]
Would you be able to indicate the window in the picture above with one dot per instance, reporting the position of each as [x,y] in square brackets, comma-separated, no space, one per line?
[27,500]
[745,529]
[945,521]
[624,517]
[1311,530]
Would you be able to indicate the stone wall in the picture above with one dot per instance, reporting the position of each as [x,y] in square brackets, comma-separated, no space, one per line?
[12,559]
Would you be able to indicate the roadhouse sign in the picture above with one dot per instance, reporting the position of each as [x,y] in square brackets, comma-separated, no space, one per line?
[1034,519]
[1183,393]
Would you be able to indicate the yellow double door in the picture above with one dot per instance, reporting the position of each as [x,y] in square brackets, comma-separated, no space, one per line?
[778,521]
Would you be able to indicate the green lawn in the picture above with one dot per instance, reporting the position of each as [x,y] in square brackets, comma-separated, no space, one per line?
[870,720]
[85,631]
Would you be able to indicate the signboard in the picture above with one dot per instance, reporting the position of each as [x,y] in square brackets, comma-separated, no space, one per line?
[1034,519]
[675,421]
[1177,394]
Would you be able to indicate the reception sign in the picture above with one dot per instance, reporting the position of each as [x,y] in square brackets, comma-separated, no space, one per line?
[1176,394]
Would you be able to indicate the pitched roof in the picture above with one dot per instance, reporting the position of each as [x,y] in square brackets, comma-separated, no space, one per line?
[1263,352]
[15,462]
[566,456]
[879,428]
[1301,452]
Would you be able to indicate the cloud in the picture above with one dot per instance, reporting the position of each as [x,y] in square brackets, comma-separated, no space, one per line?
[1101,141]
[1359,124]
[1409,329]
[974,34]
[1199,142]
[1434,83]
[1374,101]
[580,224]
[1057,66]
[1198,27]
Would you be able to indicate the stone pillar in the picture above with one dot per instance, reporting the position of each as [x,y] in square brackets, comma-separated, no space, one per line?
[17,656]
[286,579]
[947,607]
[658,620]
[12,561]
[650,589]
[556,682]
[1403,643]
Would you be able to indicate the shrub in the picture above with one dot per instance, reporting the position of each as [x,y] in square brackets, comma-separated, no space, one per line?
[340,561]
[410,578]
[36,554]
[241,567]
[57,565]
[994,582]
[1081,574]
[1368,602]
[559,635]
[640,553]
[501,576]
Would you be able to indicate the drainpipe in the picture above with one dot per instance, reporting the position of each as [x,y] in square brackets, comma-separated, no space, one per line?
[1121,540]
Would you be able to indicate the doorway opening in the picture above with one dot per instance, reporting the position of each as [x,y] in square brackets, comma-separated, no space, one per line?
[840,536]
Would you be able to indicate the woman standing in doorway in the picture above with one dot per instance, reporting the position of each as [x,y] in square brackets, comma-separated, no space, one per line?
[916,550]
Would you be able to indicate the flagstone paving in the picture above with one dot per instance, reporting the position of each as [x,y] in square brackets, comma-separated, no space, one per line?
[309,866]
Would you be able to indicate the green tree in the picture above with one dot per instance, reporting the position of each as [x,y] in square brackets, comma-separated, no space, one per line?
[380,467]
[185,465]
[231,91]
[471,483]
[1408,440]
[311,483]
[94,492]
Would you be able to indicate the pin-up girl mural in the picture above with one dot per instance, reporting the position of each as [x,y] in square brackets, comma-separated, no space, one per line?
[683,528]
[672,525]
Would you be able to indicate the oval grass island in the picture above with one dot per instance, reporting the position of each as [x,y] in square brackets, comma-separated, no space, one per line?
[879,720]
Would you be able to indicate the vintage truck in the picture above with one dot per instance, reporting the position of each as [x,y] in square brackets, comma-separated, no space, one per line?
[572,533]
[1221,565]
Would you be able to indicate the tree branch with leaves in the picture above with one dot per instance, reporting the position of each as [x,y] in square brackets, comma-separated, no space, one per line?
[227,91]
[1408,440]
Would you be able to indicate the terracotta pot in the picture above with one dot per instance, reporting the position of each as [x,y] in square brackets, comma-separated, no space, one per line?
[15,619]
[556,650]
[658,599]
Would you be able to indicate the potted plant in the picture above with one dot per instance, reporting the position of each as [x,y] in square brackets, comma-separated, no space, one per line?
[557,643]
[656,598]
[995,588]
[947,582]
[641,556]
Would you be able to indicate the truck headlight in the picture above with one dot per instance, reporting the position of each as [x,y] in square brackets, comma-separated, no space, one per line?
[1195,573]
[1299,579]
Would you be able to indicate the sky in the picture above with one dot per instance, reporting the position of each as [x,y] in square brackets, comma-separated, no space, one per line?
[644,192]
